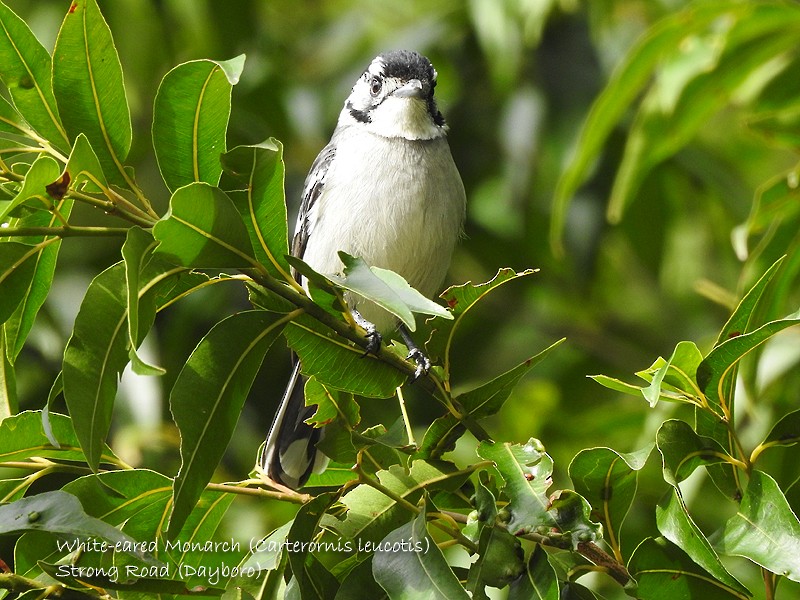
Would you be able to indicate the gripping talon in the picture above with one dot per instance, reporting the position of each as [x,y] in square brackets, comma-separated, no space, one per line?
[374,339]
[423,363]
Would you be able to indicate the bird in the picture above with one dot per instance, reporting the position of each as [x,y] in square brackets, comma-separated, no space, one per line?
[385,189]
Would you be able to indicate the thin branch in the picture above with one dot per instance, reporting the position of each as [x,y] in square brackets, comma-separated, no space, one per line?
[65,231]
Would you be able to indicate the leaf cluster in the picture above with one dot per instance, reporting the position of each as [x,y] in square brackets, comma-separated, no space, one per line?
[391,516]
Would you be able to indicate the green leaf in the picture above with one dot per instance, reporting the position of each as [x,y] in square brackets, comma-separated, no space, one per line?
[675,524]
[359,584]
[386,289]
[89,88]
[8,382]
[618,385]
[786,432]
[22,436]
[526,471]
[538,582]
[208,397]
[84,167]
[338,365]
[25,68]
[741,319]
[775,202]
[714,374]
[312,579]
[626,84]
[608,480]
[203,229]
[136,253]
[98,351]
[664,572]
[488,399]
[410,566]
[331,405]
[371,514]
[17,268]
[262,203]
[268,550]
[190,120]
[42,173]
[683,450]
[661,129]
[765,529]
[500,561]
[10,120]
[61,513]
[460,299]
[480,402]
[679,373]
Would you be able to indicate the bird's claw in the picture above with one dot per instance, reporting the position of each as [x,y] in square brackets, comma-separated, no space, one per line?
[374,339]
[423,363]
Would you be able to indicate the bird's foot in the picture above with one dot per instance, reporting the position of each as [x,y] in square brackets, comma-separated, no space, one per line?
[374,337]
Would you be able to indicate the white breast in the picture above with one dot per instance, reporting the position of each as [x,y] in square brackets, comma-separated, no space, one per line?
[398,204]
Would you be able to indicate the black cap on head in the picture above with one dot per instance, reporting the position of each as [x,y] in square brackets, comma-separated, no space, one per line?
[407,65]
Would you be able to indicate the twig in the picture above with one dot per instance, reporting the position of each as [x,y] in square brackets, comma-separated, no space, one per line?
[65,231]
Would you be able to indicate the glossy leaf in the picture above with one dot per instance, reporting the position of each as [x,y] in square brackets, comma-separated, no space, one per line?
[10,120]
[500,561]
[676,524]
[8,382]
[538,582]
[17,266]
[311,578]
[678,372]
[208,397]
[785,432]
[190,120]
[331,405]
[741,319]
[411,566]
[371,515]
[479,403]
[61,513]
[136,254]
[608,480]
[386,289]
[664,572]
[203,229]
[42,173]
[94,358]
[714,373]
[765,529]
[89,87]
[22,436]
[84,167]
[460,299]
[25,68]
[19,325]
[337,365]
[683,450]
[262,204]
[526,471]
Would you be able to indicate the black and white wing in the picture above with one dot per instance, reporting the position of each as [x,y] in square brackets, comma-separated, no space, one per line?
[289,454]
[312,189]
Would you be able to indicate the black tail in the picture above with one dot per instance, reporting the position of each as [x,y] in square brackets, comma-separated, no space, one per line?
[289,455]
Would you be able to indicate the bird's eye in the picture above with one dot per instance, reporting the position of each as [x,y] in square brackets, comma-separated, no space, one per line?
[375,86]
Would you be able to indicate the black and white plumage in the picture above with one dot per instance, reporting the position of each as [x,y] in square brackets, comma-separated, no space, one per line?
[384,189]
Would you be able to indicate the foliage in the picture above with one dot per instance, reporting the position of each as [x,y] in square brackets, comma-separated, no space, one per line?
[461,511]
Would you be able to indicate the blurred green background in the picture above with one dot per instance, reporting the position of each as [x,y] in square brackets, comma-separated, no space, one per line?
[516,81]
